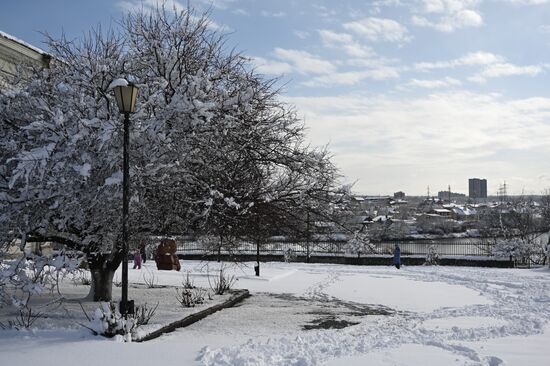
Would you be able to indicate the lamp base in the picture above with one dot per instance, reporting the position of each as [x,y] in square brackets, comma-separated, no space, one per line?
[130,309]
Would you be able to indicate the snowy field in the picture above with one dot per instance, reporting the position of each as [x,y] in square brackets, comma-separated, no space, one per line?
[312,314]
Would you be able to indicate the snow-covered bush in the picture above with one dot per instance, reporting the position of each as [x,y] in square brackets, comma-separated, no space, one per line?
[108,322]
[31,274]
[432,257]
[359,244]
[529,251]
[289,255]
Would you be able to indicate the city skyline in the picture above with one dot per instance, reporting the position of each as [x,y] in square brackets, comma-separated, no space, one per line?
[406,93]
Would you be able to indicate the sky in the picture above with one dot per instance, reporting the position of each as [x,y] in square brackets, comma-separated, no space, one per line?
[406,94]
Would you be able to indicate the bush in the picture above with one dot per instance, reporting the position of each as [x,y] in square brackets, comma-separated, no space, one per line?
[24,320]
[190,297]
[187,282]
[290,255]
[432,258]
[144,314]
[150,279]
[108,322]
[222,283]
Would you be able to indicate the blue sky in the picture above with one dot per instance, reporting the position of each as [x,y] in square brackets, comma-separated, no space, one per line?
[407,94]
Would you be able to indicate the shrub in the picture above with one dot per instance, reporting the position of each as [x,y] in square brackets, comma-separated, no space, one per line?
[190,297]
[222,282]
[150,279]
[108,322]
[432,258]
[143,314]
[187,282]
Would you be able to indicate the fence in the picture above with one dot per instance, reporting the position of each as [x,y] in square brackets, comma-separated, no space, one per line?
[444,247]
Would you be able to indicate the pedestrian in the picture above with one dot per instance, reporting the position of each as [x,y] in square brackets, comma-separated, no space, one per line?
[397,256]
[137,259]
[143,252]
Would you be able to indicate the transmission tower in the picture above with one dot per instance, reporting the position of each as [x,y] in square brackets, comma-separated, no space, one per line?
[502,192]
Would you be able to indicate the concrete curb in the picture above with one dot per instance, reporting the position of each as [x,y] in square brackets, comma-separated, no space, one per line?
[238,296]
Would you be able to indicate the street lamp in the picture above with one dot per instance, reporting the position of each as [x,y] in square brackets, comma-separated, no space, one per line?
[125,95]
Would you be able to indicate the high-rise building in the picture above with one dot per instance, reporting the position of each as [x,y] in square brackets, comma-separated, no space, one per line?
[477,188]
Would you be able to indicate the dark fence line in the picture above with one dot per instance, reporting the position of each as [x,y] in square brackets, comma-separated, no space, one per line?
[339,248]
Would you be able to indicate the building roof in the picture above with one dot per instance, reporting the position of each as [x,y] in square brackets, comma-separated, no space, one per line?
[23,43]
[15,52]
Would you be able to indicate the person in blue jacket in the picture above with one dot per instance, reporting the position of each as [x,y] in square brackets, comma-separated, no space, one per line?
[397,256]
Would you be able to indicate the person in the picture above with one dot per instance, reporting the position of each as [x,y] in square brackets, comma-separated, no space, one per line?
[143,252]
[137,260]
[397,256]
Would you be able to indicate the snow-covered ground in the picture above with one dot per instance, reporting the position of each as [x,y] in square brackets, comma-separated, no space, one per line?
[313,314]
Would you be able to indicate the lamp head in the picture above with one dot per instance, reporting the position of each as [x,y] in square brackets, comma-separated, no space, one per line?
[125,95]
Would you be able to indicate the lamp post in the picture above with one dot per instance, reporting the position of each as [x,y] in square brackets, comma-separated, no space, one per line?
[125,94]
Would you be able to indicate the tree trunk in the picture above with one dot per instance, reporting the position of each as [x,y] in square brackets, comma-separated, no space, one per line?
[102,268]
[102,284]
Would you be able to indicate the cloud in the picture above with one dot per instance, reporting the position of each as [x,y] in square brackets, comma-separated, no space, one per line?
[301,34]
[448,6]
[470,59]
[448,24]
[304,62]
[391,143]
[169,5]
[324,12]
[148,5]
[494,66]
[272,14]
[271,67]
[505,69]
[290,60]
[346,42]
[434,84]
[449,15]
[219,4]
[529,2]
[240,11]
[352,77]
[379,30]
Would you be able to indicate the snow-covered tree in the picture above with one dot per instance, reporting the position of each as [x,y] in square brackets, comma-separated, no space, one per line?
[521,227]
[210,143]
[359,244]
[432,257]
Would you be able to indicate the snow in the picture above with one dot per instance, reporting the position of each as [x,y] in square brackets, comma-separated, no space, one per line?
[413,316]
[83,170]
[117,82]
[115,178]
[402,293]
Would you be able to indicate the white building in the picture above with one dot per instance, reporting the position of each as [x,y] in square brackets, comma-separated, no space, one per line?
[15,54]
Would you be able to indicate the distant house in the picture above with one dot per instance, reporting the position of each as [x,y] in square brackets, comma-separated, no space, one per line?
[446,195]
[357,203]
[463,213]
[441,212]
[399,195]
